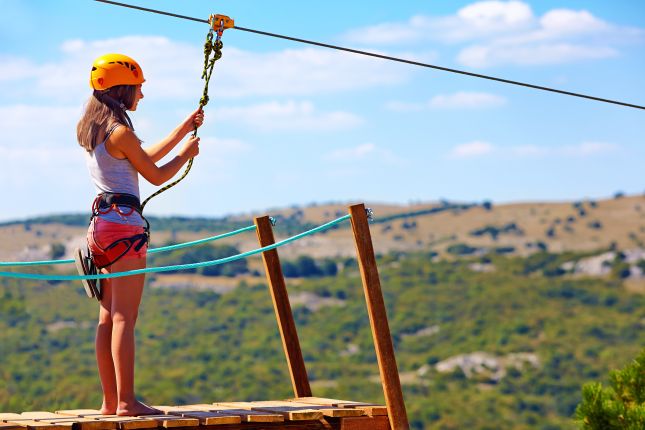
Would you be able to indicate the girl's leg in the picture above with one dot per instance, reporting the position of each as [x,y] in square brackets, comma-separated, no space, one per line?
[126,296]
[104,350]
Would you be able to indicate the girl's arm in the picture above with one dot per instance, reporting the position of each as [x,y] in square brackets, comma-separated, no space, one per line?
[124,143]
[158,151]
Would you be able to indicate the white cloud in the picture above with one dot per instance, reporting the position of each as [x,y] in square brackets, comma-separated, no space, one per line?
[458,100]
[16,68]
[398,106]
[585,149]
[471,149]
[566,21]
[390,33]
[363,152]
[464,99]
[528,151]
[225,146]
[508,32]
[492,17]
[239,73]
[35,125]
[219,159]
[288,116]
[479,19]
[496,54]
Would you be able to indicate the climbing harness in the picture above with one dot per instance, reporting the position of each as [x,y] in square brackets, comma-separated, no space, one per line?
[88,263]
[218,23]
[108,202]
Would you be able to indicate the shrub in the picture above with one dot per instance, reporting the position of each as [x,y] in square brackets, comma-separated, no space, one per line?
[57,250]
[461,249]
[619,406]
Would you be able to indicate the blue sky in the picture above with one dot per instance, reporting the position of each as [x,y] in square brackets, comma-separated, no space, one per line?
[294,124]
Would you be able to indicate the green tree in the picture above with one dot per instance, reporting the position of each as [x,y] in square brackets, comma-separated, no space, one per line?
[619,406]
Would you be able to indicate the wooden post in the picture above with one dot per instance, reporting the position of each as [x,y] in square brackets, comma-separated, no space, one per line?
[282,308]
[378,319]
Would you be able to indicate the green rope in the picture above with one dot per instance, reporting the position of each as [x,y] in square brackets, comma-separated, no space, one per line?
[178,266]
[150,251]
[209,63]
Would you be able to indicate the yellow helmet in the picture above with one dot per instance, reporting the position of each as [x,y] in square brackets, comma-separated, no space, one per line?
[115,69]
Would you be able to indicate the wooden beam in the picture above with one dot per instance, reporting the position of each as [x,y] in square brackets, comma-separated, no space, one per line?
[282,307]
[378,319]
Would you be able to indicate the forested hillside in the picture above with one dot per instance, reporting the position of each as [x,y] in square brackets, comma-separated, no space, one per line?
[483,341]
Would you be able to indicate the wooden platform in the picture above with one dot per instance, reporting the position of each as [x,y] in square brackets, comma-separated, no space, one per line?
[306,413]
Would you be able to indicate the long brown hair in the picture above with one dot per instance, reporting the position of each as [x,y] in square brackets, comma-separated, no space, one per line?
[103,109]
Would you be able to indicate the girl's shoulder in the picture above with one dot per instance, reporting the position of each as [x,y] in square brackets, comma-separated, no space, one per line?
[119,132]
[119,137]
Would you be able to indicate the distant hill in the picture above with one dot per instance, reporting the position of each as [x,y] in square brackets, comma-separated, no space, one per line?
[445,227]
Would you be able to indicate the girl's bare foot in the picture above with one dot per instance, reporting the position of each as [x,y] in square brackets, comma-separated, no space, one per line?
[108,409]
[135,409]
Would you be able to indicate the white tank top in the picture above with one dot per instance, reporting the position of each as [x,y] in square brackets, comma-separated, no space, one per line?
[114,175]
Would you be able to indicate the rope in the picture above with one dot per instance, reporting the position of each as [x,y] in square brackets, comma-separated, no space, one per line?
[40,277]
[209,63]
[150,251]
[390,58]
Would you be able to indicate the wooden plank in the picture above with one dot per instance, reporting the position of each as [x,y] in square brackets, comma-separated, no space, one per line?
[378,319]
[10,415]
[40,415]
[123,423]
[81,423]
[206,418]
[8,426]
[370,409]
[169,421]
[246,415]
[46,417]
[288,412]
[328,411]
[77,423]
[365,423]
[129,423]
[282,307]
[83,413]
[37,425]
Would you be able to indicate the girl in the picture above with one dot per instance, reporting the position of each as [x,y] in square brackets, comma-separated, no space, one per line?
[118,234]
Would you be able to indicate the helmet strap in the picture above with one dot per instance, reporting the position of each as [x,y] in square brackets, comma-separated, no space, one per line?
[105,98]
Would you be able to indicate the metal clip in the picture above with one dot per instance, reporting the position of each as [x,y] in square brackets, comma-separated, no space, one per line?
[273,221]
[220,23]
[370,214]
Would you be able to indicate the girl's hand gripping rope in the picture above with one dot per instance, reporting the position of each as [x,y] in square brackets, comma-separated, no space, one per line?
[193,121]
[190,148]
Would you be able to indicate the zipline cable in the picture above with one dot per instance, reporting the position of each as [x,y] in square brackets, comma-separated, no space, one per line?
[390,58]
